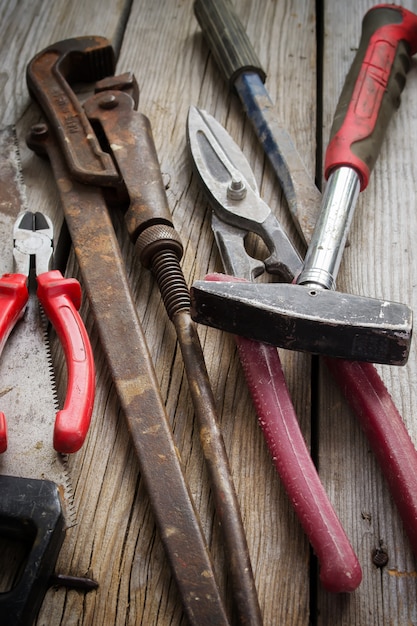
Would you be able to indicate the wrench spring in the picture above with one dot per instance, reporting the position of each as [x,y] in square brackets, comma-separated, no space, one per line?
[171,282]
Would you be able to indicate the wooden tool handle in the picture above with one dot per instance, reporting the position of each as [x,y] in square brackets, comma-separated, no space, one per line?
[227,39]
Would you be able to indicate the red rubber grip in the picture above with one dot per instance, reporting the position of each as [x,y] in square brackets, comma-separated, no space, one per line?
[13,298]
[372,89]
[386,433]
[61,298]
[340,571]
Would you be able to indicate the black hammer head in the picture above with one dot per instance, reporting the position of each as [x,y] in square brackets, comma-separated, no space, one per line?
[297,318]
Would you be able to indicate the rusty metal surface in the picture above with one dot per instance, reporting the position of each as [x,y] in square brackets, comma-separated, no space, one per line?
[158,246]
[48,75]
[133,374]
[140,190]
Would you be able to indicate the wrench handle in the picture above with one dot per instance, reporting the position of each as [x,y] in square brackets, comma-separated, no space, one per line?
[227,39]
[372,90]
[61,298]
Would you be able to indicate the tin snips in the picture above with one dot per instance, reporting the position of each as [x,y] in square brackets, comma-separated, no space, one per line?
[238,210]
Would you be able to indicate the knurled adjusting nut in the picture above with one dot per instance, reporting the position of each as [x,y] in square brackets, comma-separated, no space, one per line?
[155,239]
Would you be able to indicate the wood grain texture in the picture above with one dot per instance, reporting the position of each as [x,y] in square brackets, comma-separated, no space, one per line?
[379,262]
[115,540]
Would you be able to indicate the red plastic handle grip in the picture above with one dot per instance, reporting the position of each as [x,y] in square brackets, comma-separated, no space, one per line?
[340,570]
[386,432]
[13,298]
[372,89]
[61,298]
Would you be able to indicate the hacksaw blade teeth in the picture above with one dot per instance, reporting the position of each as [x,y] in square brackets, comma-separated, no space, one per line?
[51,369]
[28,393]
[20,184]
[70,511]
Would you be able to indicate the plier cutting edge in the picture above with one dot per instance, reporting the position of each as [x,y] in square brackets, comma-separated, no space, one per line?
[60,299]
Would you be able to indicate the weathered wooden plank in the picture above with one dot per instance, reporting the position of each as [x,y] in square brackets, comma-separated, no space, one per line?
[167,90]
[115,540]
[379,262]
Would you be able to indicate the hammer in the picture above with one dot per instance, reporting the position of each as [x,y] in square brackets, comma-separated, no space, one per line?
[310,315]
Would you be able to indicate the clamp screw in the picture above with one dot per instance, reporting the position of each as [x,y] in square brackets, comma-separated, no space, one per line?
[236,189]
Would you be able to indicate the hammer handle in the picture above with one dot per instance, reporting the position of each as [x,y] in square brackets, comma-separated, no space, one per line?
[372,90]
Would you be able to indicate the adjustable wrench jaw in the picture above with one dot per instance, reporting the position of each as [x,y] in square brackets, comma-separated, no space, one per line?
[49,74]
[123,143]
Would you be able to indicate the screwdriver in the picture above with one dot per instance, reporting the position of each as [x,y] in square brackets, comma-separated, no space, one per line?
[239,63]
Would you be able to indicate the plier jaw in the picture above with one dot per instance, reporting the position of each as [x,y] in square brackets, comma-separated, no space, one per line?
[32,243]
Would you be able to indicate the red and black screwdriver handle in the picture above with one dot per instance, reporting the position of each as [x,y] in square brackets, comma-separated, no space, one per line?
[372,89]
[60,299]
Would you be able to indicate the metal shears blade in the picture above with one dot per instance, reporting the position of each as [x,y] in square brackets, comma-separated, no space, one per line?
[233,193]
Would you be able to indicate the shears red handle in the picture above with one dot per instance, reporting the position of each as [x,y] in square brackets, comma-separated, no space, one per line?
[60,298]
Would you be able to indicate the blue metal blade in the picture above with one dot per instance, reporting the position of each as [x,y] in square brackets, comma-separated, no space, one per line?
[303,197]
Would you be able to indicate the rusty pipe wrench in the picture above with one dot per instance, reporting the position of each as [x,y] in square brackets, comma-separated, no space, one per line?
[229,184]
[360,382]
[158,247]
[309,315]
[87,178]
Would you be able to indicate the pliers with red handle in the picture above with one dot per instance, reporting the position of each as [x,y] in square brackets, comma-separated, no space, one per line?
[60,299]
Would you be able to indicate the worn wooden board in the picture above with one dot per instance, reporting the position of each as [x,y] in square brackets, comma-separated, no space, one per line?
[115,540]
[379,262]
